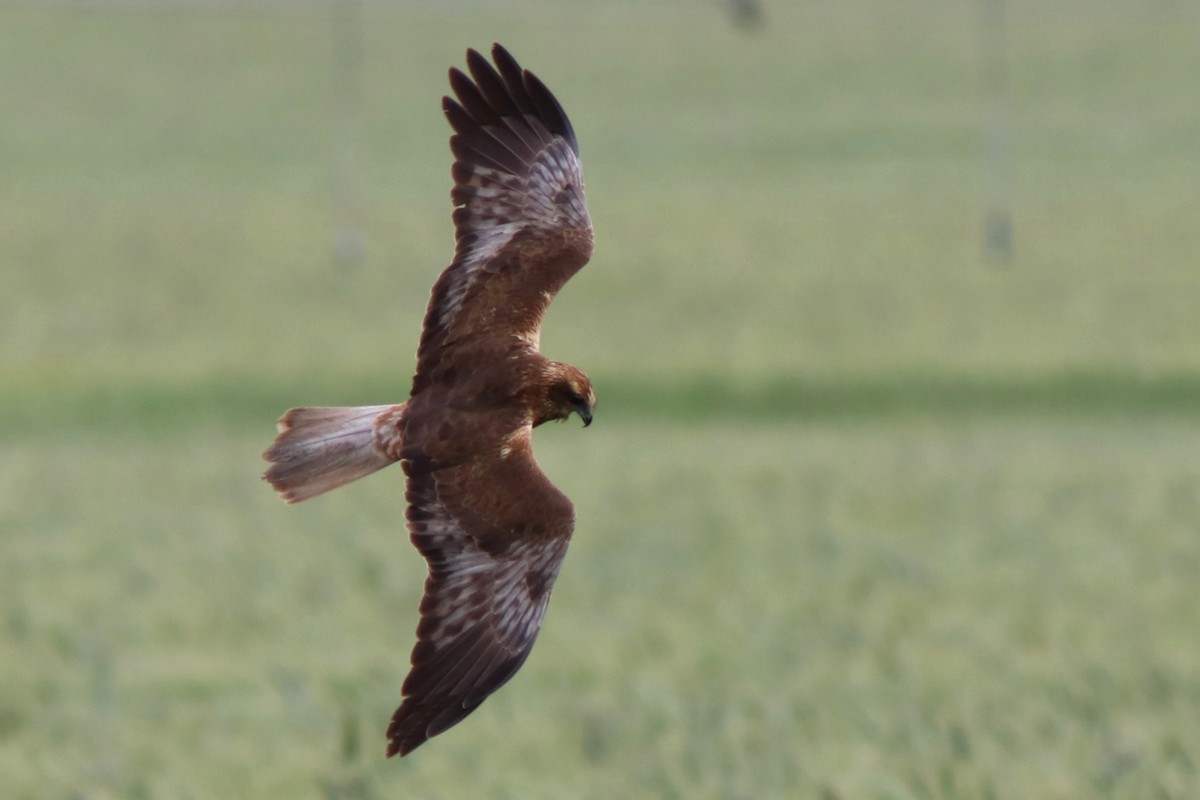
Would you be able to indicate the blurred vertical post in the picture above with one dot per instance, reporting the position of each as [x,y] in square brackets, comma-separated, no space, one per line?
[997,170]
[745,14]
[350,241]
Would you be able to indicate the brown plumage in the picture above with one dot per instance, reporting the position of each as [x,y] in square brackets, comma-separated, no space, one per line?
[491,525]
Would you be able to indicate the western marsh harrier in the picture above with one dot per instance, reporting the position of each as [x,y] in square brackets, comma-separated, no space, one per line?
[491,525]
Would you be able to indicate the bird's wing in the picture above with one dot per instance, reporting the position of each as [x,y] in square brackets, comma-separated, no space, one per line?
[521,224]
[494,531]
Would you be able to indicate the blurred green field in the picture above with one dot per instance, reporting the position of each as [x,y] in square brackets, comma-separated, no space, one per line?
[863,515]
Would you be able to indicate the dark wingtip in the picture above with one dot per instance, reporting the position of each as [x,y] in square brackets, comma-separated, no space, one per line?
[507,89]
[499,52]
[398,748]
[550,110]
[402,740]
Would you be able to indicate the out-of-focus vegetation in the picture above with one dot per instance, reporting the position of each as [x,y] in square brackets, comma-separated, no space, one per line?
[863,515]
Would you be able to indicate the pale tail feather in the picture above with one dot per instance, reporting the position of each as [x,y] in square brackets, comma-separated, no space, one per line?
[319,449]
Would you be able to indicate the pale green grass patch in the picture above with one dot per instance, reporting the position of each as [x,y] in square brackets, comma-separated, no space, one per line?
[806,200]
[991,608]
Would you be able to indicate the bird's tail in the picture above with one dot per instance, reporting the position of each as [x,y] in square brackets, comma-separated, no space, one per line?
[319,449]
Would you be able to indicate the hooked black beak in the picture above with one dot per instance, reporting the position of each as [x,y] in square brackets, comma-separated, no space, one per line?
[585,413]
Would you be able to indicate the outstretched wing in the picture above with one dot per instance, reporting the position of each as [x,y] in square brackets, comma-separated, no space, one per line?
[521,224]
[494,533]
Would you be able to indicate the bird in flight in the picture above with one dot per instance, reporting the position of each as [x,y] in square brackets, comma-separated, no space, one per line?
[491,525]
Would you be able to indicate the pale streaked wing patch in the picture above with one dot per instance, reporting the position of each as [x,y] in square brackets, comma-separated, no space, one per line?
[480,616]
[521,221]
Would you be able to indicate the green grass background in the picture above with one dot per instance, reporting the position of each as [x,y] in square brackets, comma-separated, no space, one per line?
[863,515]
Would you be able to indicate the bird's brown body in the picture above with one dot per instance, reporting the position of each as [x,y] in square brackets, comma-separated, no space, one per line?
[491,525]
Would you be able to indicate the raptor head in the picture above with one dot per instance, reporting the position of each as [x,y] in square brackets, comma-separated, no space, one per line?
[568,391]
